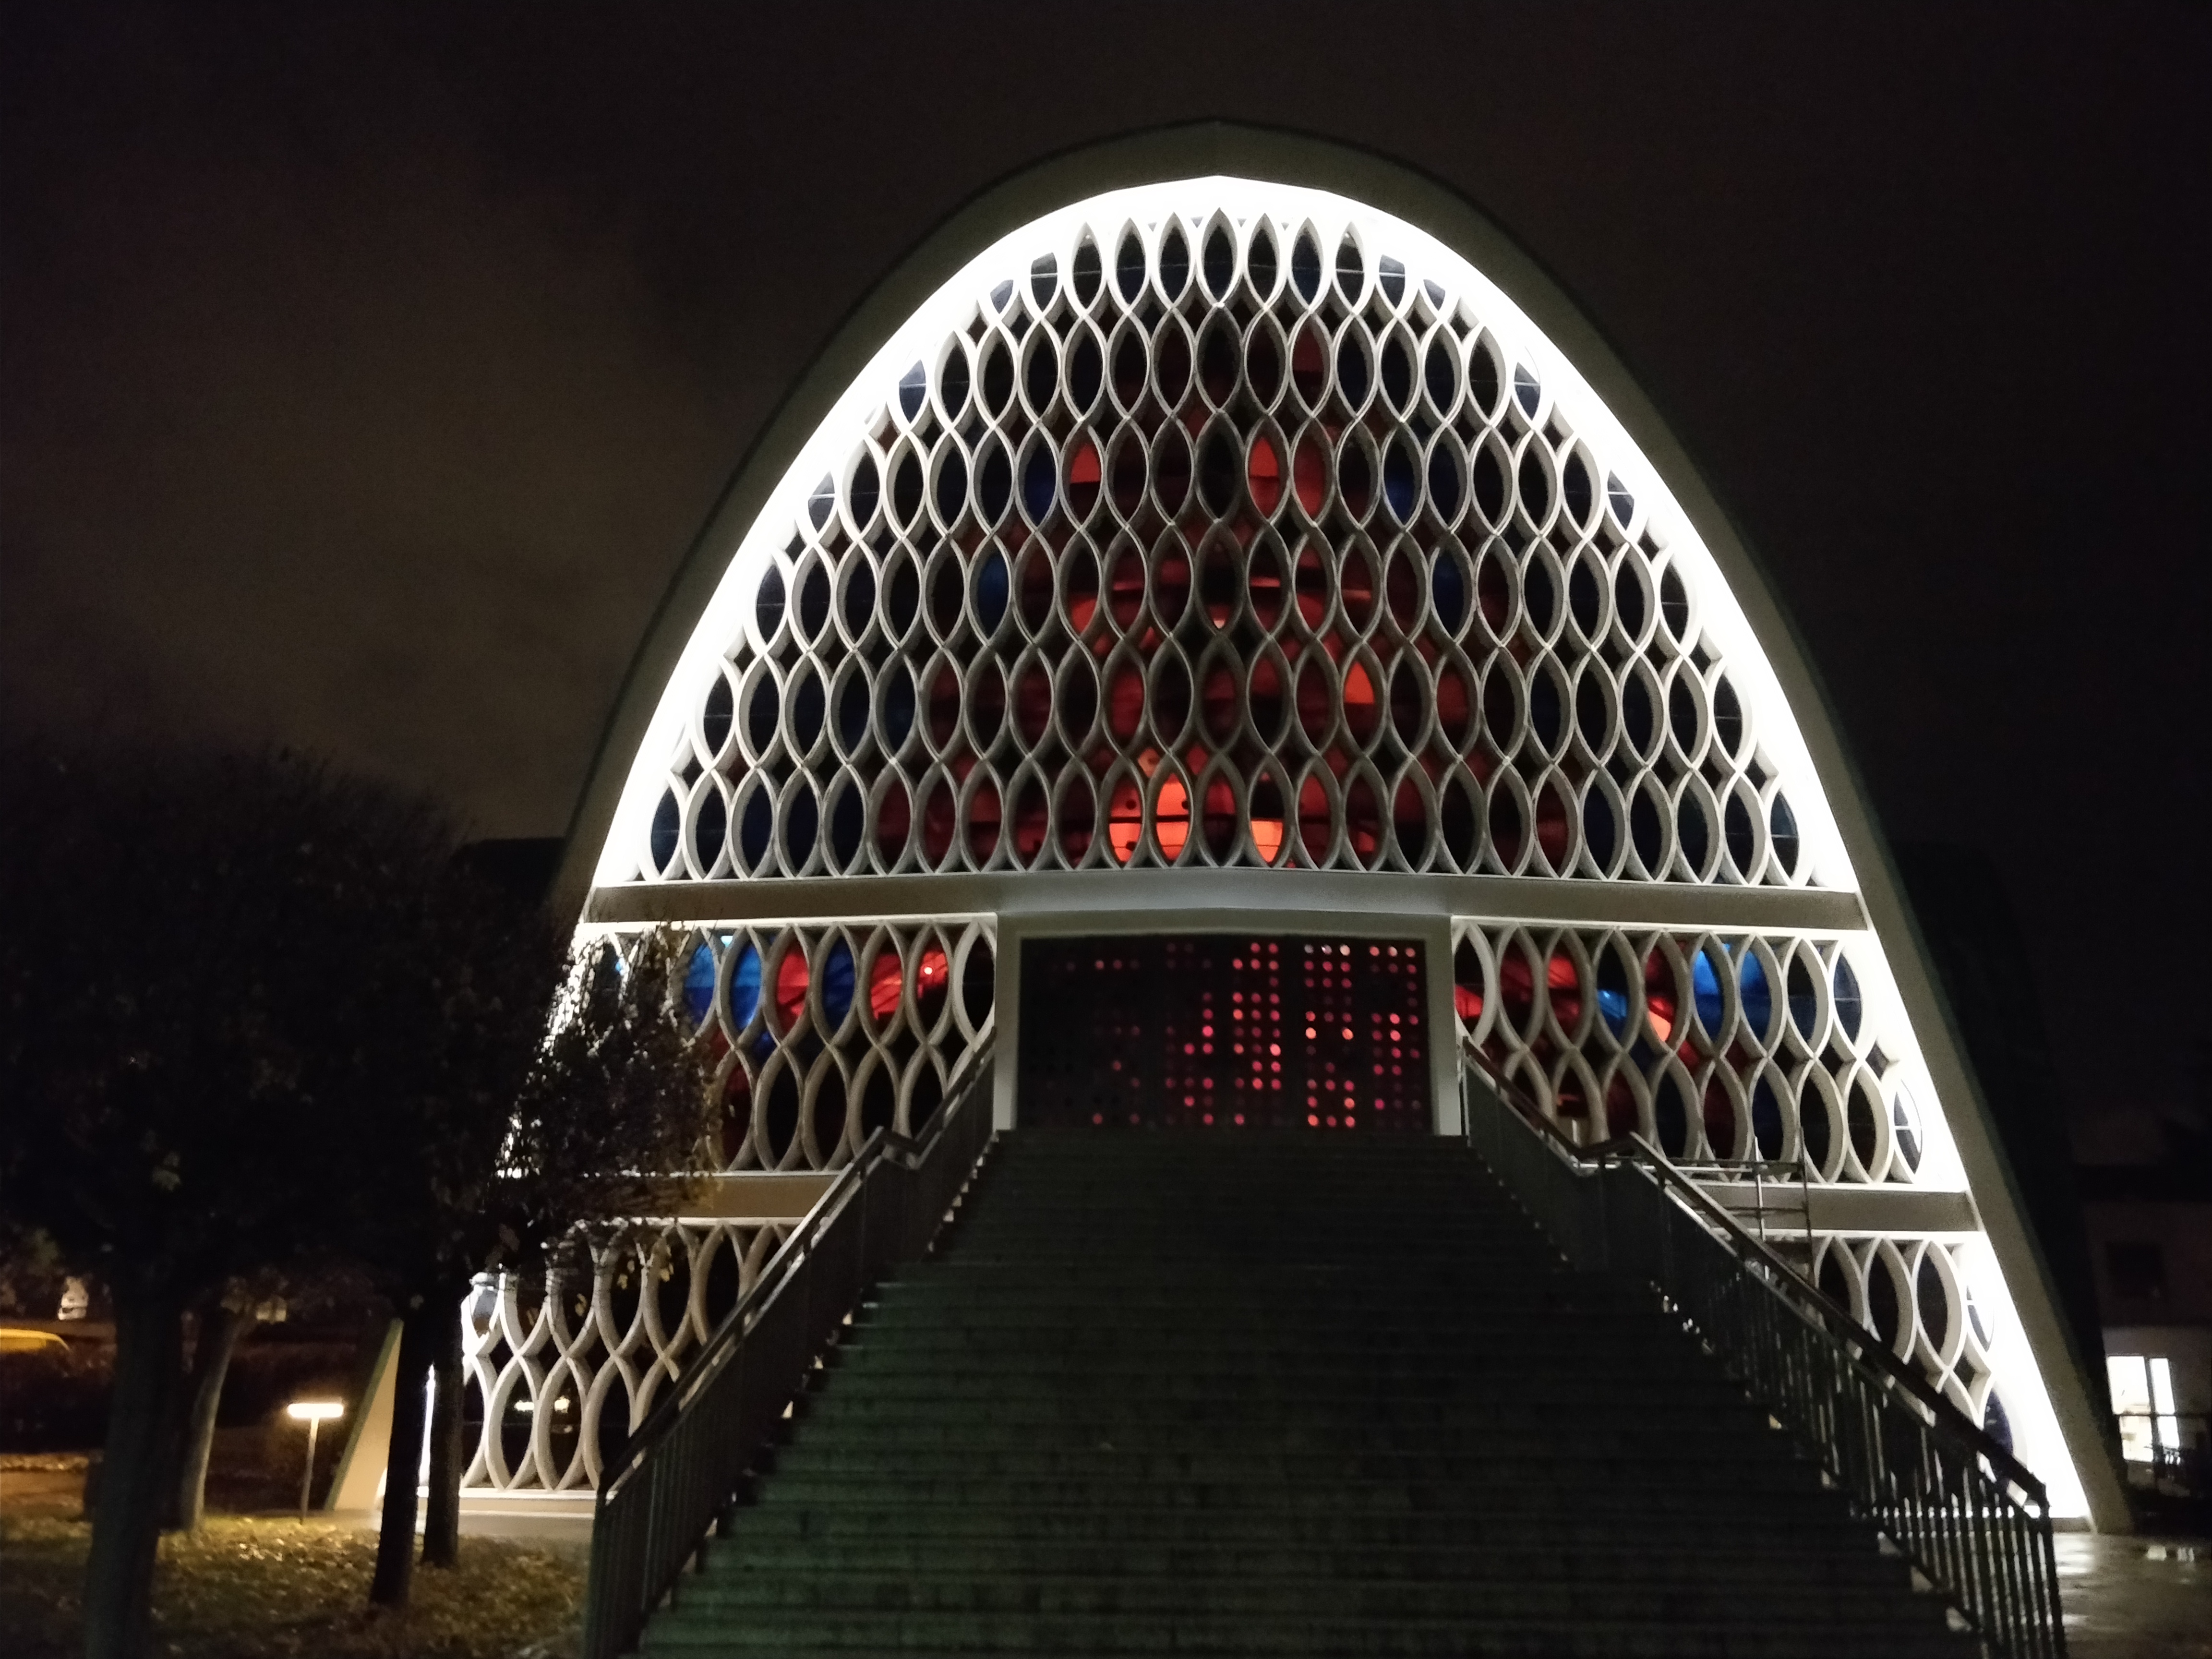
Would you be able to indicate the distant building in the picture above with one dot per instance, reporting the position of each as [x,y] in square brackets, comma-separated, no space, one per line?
[2146,1183]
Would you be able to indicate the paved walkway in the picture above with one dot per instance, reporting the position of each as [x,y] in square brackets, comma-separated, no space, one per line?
[2125,1598]
[2135,1598]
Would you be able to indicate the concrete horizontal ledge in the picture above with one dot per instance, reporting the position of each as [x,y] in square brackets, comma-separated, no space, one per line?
[1179,893]
[1886,1212]
[531,1503]
[752,1195]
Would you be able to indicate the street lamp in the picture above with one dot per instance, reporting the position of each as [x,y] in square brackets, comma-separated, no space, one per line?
[314,1413]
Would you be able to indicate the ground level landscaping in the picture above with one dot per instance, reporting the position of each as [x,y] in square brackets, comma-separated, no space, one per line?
[258,1588]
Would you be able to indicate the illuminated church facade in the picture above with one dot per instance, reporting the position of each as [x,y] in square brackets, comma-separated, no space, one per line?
[1219,640]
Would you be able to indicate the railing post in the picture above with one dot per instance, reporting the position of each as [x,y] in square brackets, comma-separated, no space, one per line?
[682,1468]
[1965,1512]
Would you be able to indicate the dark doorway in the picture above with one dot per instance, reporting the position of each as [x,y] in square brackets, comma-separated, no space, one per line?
[1225,1031]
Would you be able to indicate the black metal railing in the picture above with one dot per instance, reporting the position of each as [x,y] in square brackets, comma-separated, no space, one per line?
[683,1468]
[1964,1512]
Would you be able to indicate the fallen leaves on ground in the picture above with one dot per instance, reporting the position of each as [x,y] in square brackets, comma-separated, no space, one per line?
[254,1588]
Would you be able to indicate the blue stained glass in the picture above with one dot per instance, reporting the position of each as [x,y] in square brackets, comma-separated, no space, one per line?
[1705,984]
[1614,1005]
[823,502]
[699,983]
[1352,370]
[991,590]
[667,825]
[837,983]
[754,827]
[1400,481]
[951,487]
[1995,1423]
[914,389]
[1848,1005]
[1758,995]
[1444,481]
[1040,477]
[745,989]
[1766,1118]
[994,484]
[1450,590]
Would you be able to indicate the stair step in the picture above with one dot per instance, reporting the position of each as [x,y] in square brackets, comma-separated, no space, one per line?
[1278,1394]
[1756,1555]
[906,1633]
[1813,1519]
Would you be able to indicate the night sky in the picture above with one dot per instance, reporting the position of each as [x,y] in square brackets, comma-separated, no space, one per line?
[364,375]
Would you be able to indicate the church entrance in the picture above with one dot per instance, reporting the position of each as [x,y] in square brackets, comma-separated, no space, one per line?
[1225,1031]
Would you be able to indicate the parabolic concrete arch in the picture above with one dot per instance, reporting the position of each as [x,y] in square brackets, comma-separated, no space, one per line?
[1222,533]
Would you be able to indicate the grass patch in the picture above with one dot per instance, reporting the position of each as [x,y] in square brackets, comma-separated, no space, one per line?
[250,1587]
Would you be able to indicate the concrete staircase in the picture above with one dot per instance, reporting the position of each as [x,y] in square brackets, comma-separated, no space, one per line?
[1182,1393]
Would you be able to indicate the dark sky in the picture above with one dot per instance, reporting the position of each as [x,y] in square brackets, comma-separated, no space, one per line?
[364,375]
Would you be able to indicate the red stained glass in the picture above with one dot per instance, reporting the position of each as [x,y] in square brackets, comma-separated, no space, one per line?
[1082,479]
[1311,577]
[1125,701]
[1033,703]
[1263,580]
[1314,829]
[1566,988]
[1360,713]
[1309,473]
[1264,474]
[894,816]
[1516,982]
[885,987]
[983,821]
[1218,701]
[1125,589]
[933,977]
[1171,819]
[1125,820]
[1220,819]
[1720,1120]
[937,824]
[1659,1002]
[1620,1108]
[1030,816]
[1553,831]
[791,981]
[1363,826]
[1080,582]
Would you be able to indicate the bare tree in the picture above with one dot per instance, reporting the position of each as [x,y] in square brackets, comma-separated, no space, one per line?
[614,1104]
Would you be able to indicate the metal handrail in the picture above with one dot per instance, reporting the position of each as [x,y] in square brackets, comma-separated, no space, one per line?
[1964,1512]
[682,1468]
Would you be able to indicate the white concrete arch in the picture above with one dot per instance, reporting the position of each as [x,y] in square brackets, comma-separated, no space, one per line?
[1270,494]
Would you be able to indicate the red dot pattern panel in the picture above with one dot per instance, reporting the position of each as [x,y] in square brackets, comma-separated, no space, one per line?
[1224,1031]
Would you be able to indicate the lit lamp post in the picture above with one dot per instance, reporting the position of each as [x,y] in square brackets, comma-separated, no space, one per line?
[314,1413]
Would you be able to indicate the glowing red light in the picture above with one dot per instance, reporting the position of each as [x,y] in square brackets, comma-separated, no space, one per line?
[791,982]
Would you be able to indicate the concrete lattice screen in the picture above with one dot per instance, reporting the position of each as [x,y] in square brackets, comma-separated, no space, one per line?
[1229,559]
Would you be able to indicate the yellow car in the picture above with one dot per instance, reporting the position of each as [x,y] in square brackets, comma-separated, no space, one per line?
[13,1339]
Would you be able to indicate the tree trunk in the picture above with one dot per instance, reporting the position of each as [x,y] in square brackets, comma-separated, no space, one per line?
[138,1470]
[403,1471]
[441,1526]
[220,1327]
